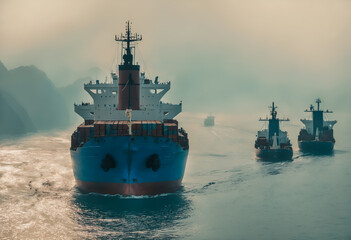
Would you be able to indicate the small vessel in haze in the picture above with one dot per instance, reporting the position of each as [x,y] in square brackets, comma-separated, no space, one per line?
[129,143]
[272,143]
[317,136]
[209,121]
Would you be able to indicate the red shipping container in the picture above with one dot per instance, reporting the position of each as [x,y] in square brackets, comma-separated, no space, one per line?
[159,132]
[159,128]
[154,132]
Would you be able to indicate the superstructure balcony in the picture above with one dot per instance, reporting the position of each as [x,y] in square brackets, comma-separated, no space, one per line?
[169,110]
[85,110]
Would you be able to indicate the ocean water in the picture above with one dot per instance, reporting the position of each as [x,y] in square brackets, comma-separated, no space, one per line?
[226,194]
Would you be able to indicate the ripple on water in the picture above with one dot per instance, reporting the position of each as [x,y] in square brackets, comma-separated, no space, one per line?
[223,195]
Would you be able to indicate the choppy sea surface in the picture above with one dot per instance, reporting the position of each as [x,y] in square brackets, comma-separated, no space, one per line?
[226,194]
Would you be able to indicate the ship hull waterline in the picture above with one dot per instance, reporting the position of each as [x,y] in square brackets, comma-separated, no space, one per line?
[274,154]
[133,189]
[317,147]
[130,173]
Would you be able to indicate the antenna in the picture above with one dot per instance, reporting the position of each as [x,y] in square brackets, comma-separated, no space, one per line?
[312,108]
[318,101]
[128,38]
[273,114]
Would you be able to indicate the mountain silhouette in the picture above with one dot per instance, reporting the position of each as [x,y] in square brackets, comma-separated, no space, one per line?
[14,118]
[35,92]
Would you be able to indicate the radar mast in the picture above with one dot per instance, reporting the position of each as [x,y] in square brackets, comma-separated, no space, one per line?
[128,38]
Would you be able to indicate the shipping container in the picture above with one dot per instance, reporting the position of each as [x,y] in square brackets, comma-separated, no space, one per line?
[171,121]
[99,129]
[115,125]
[136,128]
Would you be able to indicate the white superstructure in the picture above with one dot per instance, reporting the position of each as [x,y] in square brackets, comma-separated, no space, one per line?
[318,118]
[272,135]
[105,100]
[309,124]
[282,137]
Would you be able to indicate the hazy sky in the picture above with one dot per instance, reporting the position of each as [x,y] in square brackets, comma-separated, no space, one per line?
[220,55]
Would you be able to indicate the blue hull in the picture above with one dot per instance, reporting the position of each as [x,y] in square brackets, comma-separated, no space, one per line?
[317,147]
[274,154]
[121,165]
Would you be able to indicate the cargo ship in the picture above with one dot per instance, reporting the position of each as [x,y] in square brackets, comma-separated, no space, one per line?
[317,136]
[271,142]
[129,142]
[209,121]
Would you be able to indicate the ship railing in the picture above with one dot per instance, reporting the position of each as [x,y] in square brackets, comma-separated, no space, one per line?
[100,85]
[159,83]
[163,83]
[171,104]
[83,104]
[154,85]
[109,83]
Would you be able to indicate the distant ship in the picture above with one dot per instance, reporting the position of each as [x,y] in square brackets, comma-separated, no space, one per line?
[129,143]
[272,143]
[317,136]
[209,121]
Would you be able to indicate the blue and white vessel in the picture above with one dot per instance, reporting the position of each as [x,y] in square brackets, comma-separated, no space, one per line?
[318,135]
[129,143]
[272,143]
